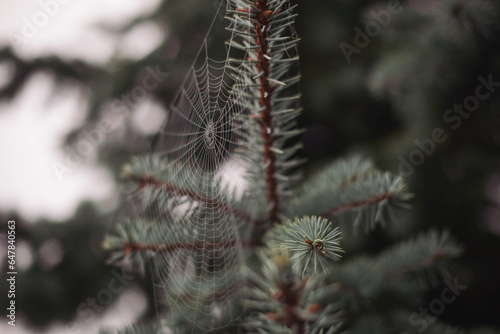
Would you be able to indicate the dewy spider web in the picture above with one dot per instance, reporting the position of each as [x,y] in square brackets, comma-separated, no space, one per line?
[204,267]
[198,225]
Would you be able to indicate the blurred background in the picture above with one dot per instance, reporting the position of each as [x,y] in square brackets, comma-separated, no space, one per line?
[84,85]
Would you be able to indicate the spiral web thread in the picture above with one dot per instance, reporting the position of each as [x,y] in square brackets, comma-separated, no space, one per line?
[198,142]
[200,219]
[198,195]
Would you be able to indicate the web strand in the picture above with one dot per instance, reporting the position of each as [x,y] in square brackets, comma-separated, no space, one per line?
[211,174]
[199,218]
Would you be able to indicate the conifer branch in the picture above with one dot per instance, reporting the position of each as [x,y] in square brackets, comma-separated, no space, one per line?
[262,15]
[350,188]
[288,303]
[356,205]
[263,79]
[289,294]
[310,240]
[136,241]
[364,277]
[198,229]
[436,248]
[147,180]
[421,265]
[129,247]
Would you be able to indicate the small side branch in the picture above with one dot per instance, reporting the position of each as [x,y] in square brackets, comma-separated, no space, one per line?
[420,265]
[146,180]
[290,294]
[354,205]
[130,247]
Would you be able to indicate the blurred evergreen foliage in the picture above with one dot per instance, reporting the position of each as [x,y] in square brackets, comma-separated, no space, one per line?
[394,91]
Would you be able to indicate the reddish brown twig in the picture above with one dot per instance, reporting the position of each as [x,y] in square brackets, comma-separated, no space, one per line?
[353,205]
[290,294]
[146,180]
[129,247]
[262,16]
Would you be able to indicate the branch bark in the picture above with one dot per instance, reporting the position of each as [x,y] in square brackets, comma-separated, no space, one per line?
[146,180]
[266,95]
[354,205]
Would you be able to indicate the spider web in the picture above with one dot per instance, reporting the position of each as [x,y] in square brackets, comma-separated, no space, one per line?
[201,204]
[199,199]
[199,142]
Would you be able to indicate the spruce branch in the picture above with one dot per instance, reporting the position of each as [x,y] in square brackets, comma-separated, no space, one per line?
[134,243]
[423,259]
[260,28]
[182,258]
[426,255]
[200,250]
[312,241]
[180,182]
[350,188]
[147,180]
[288,303]
[262,15]
[128,247]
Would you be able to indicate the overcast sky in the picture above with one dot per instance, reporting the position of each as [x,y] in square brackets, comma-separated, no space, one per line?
[34,124]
